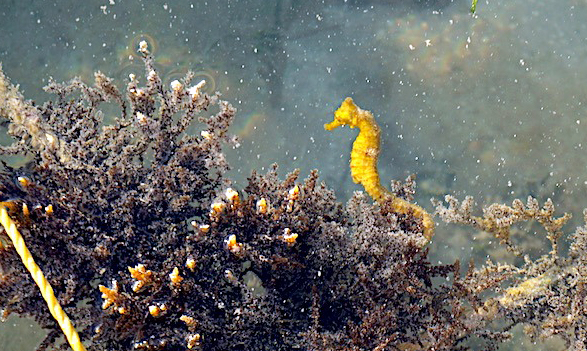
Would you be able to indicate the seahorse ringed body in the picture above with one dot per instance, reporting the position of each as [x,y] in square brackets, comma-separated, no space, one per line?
[364,157]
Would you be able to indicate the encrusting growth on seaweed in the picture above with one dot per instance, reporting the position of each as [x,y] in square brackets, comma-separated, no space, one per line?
[364,157]
[499,218]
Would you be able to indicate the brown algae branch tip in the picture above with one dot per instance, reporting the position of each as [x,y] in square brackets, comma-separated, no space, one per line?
[364,156]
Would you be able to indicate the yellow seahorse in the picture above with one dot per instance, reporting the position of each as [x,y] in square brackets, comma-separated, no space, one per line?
[364,161]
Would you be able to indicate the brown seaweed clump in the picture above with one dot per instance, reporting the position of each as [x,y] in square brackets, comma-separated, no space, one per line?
[148,247]
[547,295]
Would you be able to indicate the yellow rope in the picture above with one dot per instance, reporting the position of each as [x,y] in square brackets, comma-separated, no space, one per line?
[46,289]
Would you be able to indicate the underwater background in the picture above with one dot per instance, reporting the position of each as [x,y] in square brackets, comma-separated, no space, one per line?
[490,105]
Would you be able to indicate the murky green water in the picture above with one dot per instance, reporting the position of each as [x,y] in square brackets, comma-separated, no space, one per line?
[491,105]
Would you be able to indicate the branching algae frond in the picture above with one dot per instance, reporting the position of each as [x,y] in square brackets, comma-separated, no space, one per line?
[364,161]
